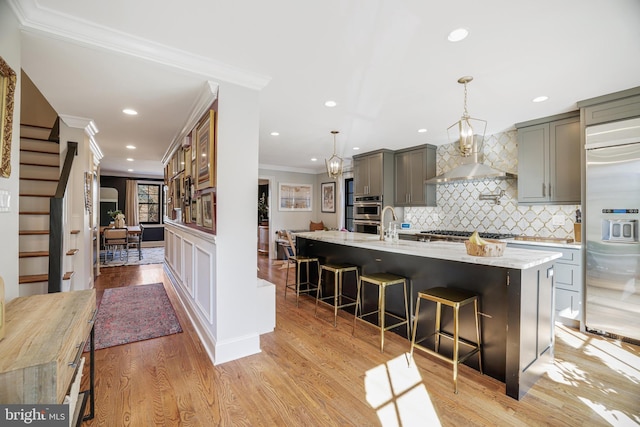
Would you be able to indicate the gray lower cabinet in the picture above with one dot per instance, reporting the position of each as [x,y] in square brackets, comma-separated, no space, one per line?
[373,174]
[549,161]
[412,167]
[568,284]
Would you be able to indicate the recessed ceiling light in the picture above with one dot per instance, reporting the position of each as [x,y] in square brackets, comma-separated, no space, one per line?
[540,98]
[130,112]
[458,34]
[356,148]
[330,104]
[423,130]
[131,147]
[275,133]
[129,170]
[129,159]
[313,159]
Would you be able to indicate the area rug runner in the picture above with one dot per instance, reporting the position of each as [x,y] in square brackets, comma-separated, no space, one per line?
[134,313]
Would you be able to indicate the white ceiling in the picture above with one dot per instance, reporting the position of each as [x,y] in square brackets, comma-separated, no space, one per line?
[387,63]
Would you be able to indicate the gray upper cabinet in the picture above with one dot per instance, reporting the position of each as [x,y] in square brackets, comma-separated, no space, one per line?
[412,167]
[373,174]
[608,108]
[549,160]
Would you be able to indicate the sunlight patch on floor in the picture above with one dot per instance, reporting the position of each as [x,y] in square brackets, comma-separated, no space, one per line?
[570,338]
[614,355]
[616,358]
[396,391]
[613,417]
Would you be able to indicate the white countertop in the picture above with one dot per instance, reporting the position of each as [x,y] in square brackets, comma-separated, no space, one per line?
[521,259]
[412,231]
[545,244]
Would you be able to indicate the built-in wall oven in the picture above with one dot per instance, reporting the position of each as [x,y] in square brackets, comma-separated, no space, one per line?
[367,212]
[364,226]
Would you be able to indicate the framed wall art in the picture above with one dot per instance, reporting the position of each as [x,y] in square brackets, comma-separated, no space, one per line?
[7,93]
[294,197]
[328,196]
[207,210]
[206,151]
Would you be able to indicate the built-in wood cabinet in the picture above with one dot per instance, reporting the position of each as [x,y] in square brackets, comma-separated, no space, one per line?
[373,174]
[549,157]
[412,167]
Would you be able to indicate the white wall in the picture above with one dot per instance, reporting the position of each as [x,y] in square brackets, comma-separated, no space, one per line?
[10,52]
[235,300]
[76,217]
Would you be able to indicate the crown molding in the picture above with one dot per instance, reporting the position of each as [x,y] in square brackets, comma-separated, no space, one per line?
[89,128]
[200,106]
[40,20]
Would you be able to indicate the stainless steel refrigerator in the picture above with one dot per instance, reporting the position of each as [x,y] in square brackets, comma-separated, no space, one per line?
[612,204]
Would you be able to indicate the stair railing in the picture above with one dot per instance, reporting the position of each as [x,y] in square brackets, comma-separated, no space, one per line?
[56,226]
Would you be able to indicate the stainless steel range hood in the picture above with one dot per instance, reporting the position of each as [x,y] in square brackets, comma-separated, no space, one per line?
[471,169]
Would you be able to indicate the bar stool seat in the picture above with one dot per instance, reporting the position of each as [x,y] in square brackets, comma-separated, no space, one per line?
[338,297]
[310,287]
[382,281]
[454,298]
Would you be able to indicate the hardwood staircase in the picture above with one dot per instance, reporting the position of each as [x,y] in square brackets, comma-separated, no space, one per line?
[39,174]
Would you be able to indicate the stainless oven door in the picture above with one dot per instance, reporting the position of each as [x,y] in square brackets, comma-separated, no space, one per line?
[367,211]
[369,227]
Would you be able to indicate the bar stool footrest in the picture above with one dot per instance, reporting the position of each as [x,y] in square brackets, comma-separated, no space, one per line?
[402,320]
[440,356]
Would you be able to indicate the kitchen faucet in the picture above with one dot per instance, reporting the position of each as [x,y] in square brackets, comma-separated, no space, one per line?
[395,218]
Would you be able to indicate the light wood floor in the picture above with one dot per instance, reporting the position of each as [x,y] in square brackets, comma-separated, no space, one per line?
[310,374]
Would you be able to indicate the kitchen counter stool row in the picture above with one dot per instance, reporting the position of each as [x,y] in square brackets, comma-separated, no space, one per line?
[386,320]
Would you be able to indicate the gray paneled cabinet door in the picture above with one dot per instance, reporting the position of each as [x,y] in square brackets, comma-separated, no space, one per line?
[549,162]
[360,176]
[368,175]
[412,169]
[533,164]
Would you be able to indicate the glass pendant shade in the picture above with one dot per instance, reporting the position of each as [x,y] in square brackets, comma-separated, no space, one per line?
[334,163]
[466,129]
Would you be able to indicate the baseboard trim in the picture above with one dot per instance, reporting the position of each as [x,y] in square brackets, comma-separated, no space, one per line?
[218,352]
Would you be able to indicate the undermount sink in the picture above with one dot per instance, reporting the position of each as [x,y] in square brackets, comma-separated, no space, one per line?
[544,239]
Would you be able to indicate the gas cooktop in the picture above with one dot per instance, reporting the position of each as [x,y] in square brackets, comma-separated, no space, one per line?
[463,235]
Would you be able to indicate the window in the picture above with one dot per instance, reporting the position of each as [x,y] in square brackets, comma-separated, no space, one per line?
[348,204]
[149,203]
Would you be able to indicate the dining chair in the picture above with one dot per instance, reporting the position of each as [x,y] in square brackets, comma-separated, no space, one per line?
[115,239]
[135,241]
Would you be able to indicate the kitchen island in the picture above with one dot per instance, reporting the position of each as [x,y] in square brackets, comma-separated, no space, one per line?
[516,295]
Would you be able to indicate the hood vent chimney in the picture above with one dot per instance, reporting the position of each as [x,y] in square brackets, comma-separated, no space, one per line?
[472,168]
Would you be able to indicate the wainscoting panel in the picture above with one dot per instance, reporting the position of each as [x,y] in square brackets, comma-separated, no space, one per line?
[177,255]
[204,273]
[187,277]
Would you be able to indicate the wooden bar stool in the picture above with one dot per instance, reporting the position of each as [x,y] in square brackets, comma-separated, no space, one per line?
[454,298]
[382,281]
[338,271]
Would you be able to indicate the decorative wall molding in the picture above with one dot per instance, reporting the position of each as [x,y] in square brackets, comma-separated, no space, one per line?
[37,19]
[200,106]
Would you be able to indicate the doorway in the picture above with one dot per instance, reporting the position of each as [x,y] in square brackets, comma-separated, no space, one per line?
[263,217]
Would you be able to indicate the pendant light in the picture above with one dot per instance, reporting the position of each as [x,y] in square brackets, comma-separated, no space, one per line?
[334,163]
[467,128]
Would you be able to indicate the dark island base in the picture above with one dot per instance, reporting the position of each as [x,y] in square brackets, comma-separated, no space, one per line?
[516,306]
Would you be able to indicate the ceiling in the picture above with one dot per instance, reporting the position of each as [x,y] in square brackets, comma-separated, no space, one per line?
[387,64]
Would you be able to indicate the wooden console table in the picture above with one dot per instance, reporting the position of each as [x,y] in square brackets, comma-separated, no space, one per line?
[40,354]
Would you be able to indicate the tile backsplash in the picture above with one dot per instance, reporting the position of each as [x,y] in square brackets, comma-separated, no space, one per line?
[460,208]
